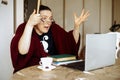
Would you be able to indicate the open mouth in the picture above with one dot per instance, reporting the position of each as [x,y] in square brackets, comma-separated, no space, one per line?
[46,27]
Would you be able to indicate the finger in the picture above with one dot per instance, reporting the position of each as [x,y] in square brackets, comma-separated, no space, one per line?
[75,16]
[86,14]
[83,11]
[34,11]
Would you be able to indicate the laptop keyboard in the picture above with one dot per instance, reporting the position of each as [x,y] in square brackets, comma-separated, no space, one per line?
[76,65]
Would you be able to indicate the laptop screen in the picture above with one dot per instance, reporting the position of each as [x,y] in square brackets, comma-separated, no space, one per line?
[100,51]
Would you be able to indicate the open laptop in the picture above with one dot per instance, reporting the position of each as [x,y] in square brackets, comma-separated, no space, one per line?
[99,52]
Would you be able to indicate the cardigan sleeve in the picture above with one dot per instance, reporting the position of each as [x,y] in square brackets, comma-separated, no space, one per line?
[64,41]
[32,57]
[15,56]
[72,44]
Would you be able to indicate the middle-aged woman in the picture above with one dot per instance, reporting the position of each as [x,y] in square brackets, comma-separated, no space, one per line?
[40,36]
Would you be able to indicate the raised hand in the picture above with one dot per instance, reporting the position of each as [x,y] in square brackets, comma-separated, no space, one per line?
[77,22]
[83,17]
[34,19]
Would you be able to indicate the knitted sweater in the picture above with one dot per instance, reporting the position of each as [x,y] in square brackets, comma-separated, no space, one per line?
[64,44]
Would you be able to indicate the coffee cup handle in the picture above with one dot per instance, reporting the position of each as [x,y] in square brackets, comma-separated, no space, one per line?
[40,62]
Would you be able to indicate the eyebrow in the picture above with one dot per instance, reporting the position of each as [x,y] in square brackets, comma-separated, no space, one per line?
[46,16]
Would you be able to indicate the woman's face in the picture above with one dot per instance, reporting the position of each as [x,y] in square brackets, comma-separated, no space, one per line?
[45,23]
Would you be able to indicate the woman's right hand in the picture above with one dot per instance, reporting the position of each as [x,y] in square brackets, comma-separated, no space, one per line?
[24,42]
[34,19]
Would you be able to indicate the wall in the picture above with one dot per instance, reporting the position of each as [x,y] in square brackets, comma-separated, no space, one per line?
[19,11]
[116,10]
[6,33]
[106,19]
[7,24]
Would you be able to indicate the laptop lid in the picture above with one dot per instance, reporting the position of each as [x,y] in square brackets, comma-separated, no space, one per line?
[100,51]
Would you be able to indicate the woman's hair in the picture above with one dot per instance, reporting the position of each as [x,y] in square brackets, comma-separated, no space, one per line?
[43,7]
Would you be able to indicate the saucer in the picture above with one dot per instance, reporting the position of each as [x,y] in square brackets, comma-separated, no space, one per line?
[47,69]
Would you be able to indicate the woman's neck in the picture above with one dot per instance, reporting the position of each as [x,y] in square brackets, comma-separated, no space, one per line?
[37,31]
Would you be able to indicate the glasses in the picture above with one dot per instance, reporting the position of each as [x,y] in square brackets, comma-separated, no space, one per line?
[47,20]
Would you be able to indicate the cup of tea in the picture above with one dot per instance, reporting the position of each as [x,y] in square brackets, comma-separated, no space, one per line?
[46,62]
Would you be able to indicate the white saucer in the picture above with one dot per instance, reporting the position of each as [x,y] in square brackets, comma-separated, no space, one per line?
[48,69]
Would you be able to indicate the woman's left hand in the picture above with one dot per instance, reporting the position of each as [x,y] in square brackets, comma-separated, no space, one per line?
[78,20]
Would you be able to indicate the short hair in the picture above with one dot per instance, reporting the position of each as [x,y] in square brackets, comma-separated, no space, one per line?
[43,7]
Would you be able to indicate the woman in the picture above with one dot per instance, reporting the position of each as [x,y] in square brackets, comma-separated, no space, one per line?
[41,37]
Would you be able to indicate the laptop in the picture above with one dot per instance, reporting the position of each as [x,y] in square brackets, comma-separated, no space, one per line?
[99,52]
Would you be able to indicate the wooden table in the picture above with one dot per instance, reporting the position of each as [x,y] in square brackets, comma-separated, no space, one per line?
[64,73]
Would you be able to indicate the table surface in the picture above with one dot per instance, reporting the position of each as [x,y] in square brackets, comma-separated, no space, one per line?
[64,73]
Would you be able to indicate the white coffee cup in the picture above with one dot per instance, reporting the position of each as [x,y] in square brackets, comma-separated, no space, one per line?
[46,62]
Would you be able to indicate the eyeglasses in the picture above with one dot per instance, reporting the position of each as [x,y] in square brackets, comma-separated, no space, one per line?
[47,20]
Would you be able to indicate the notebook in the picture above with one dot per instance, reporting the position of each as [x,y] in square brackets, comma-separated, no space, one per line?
[99,52]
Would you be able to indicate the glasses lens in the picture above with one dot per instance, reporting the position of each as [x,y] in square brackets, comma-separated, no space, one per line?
[46,20]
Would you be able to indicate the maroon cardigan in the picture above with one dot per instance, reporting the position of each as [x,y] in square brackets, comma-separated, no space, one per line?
[64,43]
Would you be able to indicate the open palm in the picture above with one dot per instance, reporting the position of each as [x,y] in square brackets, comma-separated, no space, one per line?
[83,17]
